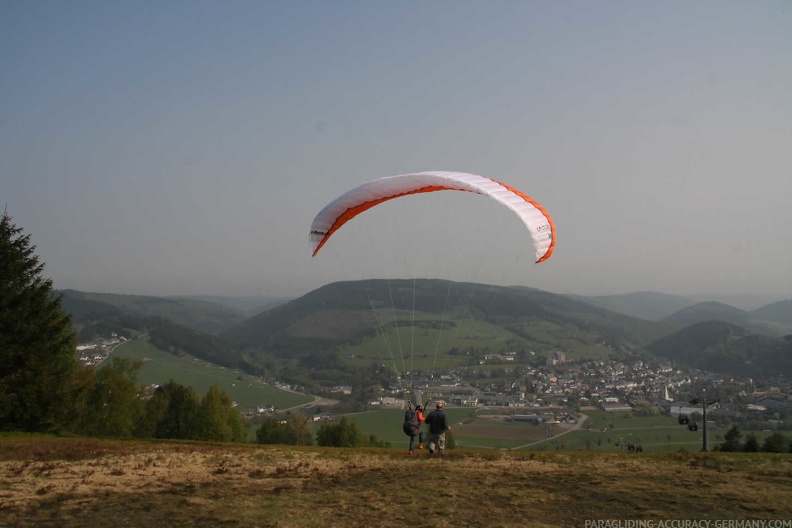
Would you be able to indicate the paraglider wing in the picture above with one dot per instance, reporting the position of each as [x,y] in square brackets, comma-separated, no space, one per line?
[372,193]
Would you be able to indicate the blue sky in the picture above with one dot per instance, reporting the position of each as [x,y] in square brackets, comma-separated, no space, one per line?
[184,147]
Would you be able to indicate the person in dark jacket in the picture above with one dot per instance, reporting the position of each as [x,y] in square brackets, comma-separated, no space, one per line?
[438,425]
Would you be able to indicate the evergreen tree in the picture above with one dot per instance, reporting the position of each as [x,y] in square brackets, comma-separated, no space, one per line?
[775,443]
[37,342]
[272,432]
[154,409]
[731,440]
[751,444]
[173,412]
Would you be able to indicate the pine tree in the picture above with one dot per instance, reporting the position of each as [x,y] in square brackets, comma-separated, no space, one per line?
[37,342]
[272,432]
[751,444]
[775,443]
[178,412]
[732,440]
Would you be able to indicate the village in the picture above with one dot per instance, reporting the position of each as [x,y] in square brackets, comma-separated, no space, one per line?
[558,389]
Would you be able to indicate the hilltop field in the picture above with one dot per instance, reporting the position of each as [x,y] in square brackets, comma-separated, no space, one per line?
[47,481]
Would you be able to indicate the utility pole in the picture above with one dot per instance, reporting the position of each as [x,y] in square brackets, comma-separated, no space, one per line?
[704,402]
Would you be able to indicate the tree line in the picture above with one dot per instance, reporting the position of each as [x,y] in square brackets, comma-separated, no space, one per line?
[43,388]
[775,443]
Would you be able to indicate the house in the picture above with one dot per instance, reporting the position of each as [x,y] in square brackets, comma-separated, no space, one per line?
[616,407]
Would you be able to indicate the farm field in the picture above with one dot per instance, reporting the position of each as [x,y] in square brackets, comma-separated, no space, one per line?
[72,482]
[654,433]
[483,429]
[159,367]
[469,431]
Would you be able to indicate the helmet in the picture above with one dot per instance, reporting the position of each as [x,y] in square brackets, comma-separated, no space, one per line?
[418,408]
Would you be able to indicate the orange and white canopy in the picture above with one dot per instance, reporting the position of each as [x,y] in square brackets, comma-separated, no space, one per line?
[367,195]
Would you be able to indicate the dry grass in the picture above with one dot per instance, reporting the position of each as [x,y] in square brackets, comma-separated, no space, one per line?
[75,483]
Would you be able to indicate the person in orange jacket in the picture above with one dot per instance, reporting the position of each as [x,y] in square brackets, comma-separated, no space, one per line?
[421,420]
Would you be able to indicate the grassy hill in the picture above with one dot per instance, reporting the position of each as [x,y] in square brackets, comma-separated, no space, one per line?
[334,334]
[159,367]
[102,483]
[359,315]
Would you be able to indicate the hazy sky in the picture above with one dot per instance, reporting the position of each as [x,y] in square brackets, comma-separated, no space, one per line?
[185,147]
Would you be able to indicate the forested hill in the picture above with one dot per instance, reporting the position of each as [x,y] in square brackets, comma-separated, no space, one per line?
[725,347]
[204,316]
[646,305]
[755,322]
[778,312]
[92,319]
[344,311]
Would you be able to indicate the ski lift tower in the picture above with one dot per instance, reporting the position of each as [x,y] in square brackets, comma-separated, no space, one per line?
[704,402]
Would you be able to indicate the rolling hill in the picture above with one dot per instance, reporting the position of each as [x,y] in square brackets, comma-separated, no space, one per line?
[204,316]
[646,305]
[725,347]
[750,321]
[345,312]
[250,305]
[361,319]
[778,312]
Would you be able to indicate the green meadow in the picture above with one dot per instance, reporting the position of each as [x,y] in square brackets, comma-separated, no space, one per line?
[159,367]
[605,431]
[601,432]
[424,342]
[467,429]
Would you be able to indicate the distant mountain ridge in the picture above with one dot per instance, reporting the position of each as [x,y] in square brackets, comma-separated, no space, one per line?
[204,316]
[751,321]
[345,310]
[774,319]
[707,335]
[648,305]
[249,304]
[725,347]
[778,312]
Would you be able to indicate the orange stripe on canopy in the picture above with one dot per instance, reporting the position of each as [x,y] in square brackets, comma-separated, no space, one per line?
[352,212]
[544,212]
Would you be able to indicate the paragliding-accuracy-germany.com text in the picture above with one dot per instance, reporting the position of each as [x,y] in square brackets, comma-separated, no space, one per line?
[688,523]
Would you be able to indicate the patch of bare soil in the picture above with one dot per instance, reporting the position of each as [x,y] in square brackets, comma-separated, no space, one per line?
[71,483]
